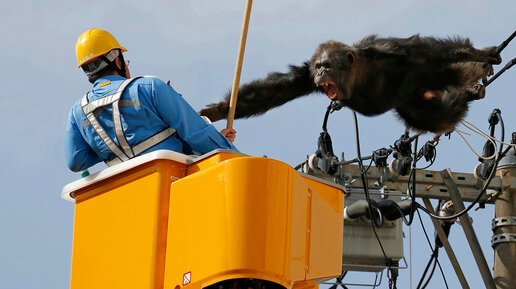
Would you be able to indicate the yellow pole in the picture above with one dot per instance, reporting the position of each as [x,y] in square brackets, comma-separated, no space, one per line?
[238,68]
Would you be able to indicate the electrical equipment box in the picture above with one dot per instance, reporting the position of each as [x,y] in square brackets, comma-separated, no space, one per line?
[166,220]
[363,252]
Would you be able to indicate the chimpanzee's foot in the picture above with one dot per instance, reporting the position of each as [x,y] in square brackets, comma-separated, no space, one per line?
[494,56]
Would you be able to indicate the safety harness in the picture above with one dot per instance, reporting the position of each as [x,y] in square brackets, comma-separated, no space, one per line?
[123,152]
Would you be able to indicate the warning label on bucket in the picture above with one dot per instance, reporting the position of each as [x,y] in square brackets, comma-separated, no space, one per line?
[186,278]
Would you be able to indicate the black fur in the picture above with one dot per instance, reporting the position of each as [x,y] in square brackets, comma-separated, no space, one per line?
[428,81]
[259,96]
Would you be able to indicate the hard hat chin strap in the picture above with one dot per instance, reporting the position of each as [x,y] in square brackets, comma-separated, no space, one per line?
[101,62]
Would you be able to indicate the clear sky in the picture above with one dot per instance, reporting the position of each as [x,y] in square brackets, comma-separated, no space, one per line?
[194,44]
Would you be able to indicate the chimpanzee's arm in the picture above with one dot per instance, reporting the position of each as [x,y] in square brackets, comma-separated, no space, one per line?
[259,96]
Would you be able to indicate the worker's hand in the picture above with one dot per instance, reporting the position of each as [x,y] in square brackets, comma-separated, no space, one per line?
[229,133]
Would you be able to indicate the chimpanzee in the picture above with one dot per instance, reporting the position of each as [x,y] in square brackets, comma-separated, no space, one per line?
[428,81]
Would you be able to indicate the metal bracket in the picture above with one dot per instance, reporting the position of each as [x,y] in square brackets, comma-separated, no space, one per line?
[380,266]
[447,247]
[503,221]
[377,282]
[503,238]
[458,202]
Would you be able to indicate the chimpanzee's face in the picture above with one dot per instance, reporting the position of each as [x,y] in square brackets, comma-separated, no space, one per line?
[330,67]
[324,71]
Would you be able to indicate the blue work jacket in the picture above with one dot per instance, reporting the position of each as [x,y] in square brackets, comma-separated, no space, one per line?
[148,106]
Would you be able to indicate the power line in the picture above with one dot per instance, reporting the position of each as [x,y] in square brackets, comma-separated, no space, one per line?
[430,244]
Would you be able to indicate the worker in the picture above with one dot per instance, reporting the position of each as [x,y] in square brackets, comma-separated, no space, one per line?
[123,117]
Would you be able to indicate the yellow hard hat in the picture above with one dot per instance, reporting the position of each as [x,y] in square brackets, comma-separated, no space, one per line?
[94,43]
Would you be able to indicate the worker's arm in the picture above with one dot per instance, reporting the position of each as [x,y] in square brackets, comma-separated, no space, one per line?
[79,155]
[178,114]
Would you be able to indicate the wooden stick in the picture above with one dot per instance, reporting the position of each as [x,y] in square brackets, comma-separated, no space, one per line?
[238,68]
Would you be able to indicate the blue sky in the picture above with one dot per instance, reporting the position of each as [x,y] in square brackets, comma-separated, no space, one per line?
[194,44]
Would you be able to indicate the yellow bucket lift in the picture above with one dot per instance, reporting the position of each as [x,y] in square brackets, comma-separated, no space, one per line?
[166,220]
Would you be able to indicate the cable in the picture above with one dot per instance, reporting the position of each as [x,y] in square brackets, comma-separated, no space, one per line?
[369,166]
[473,150]
[355,160]
[431,272]
[431,163]
[478,131]
[425,152]
[502,130]
[412,190]
[413,206]
[410,256]
[504,69]
[363,172]
[464,122]
[375,280]
[475,201]
[366,188]
[486,184]
[431,248]
[433,257]
[508,65]
[442,273]
[505,43]
[430,244]
[339,281]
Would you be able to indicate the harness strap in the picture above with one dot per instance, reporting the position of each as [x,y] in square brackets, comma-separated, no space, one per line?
[146,144]
[99,129]
[117,119]
[121,102]
[125,152]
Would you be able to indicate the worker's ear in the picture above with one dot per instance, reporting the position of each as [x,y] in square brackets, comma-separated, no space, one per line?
[119,64]
[122,68]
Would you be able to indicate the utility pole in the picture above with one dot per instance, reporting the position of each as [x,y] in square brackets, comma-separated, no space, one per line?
[504,226]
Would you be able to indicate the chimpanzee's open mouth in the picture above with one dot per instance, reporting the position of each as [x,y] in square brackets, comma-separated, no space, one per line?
[330,89]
